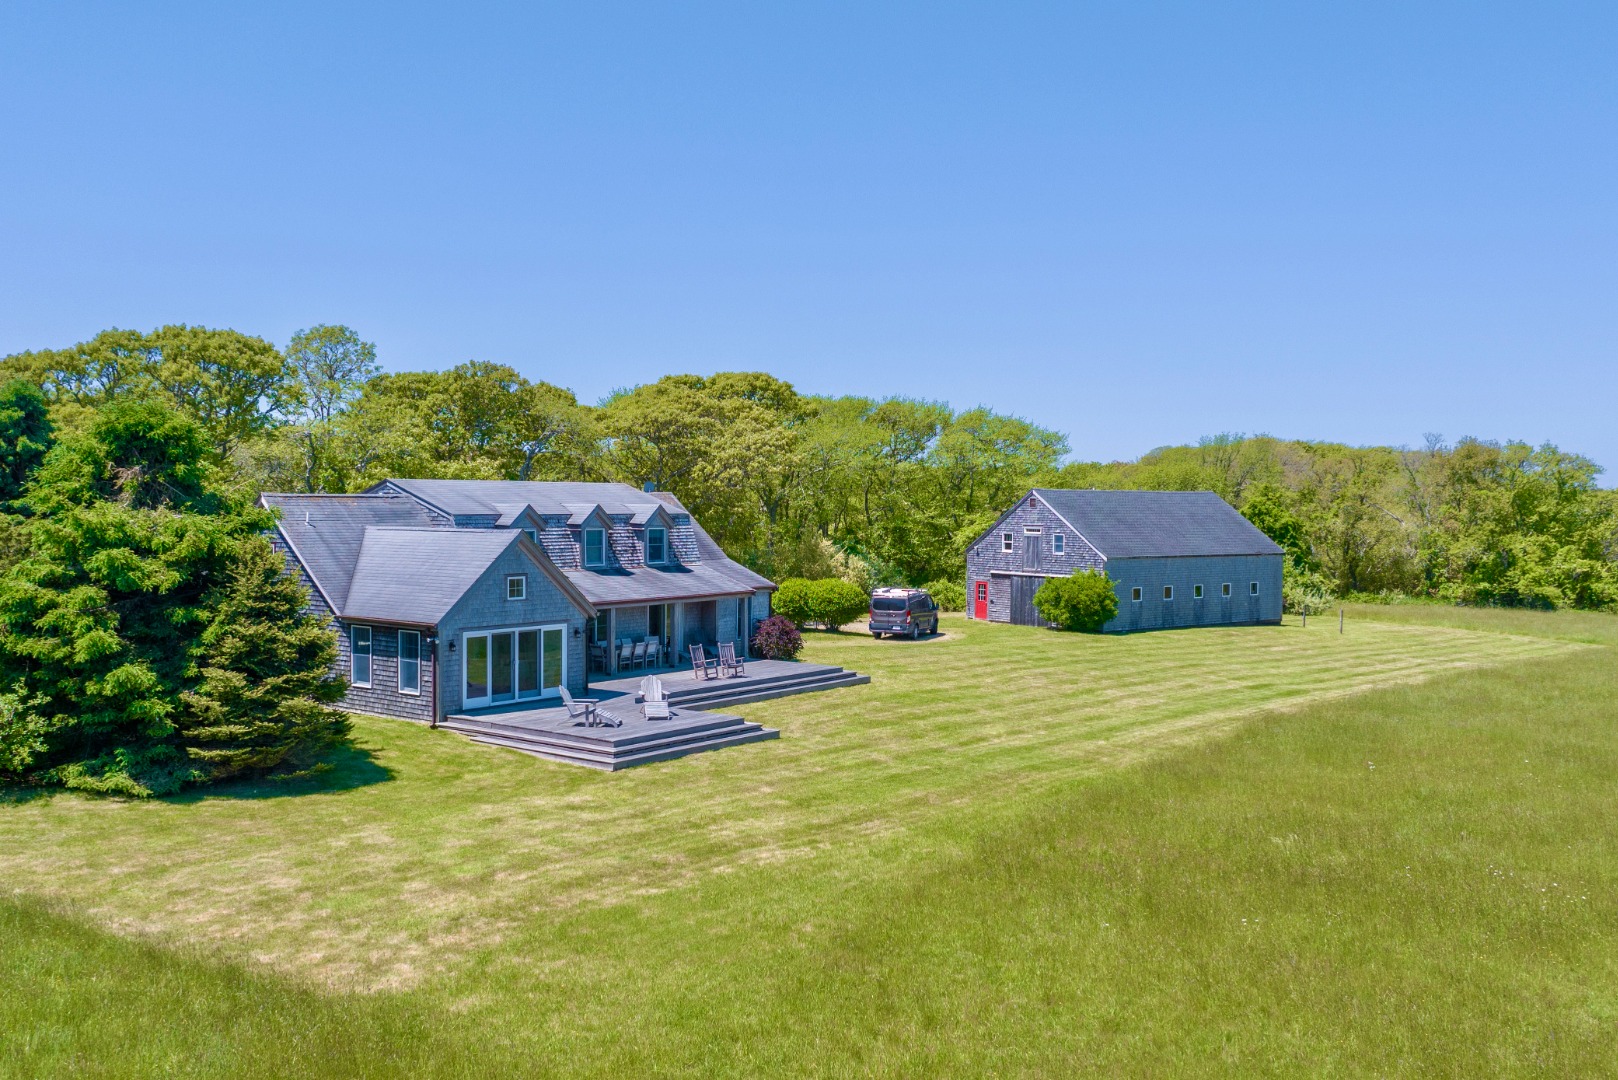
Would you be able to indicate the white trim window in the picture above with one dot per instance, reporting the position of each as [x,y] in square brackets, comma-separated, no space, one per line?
[359,656]
[1224,590]
[516,586]
[1196,592]
[1058,544]
[1005,543]
[533,534]
[657,545]
[409,662]
[1168,592]
[595,547]
[1134,594]
[1252,590]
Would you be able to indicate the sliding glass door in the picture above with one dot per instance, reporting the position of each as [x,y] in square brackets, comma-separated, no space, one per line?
[513,665]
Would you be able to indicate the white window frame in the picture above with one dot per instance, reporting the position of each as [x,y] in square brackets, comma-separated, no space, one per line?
[1196,592]
[544,694]
[1058,544]
[1135,594]
[354,653]
[1005,543]
[1252,590]
[519,580]
[584,547]
[1224,591]
[1168,592]
[403,689]
[662,544]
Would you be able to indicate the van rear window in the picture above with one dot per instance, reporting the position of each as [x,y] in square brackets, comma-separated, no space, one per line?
[887,603]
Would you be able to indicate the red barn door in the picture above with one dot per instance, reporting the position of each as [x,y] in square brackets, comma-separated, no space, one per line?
[980,601]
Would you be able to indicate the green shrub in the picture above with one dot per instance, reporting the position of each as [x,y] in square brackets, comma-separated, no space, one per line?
[1081,602]
[793,599]
[948,595]
[836,602]
[829,602]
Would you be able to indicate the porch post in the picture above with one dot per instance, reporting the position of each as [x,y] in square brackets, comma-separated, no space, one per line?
[612,640]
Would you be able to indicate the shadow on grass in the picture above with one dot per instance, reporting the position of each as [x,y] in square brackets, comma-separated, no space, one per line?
[343,769]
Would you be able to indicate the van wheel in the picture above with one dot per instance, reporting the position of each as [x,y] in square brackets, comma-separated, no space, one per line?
[915,633]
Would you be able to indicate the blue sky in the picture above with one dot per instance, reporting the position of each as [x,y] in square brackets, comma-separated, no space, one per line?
[1136,223]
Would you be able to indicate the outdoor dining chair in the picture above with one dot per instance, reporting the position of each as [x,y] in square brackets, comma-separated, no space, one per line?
[729,662]
[626,654]
[638,658]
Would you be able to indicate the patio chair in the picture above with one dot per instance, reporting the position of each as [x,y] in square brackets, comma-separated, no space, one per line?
[626,654]
[640,654]
[654,652]
[594,716]
[701,666]
[729,663]
[655,704]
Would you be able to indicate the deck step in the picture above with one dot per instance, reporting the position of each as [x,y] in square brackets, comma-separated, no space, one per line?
[719,697]
[582,737]
[638,754]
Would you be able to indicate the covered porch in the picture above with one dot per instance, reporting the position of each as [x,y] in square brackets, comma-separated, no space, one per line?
[653,638]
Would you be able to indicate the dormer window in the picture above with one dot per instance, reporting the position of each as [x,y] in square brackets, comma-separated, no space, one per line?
[595,547]
[657,545]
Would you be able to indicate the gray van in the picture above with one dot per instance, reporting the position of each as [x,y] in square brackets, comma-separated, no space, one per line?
[910,612]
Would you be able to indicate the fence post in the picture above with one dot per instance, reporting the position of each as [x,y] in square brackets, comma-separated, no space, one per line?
[1339,620]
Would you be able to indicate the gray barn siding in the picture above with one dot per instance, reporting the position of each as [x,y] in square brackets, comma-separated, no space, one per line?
[1152,612]
[987,556]
[485,607]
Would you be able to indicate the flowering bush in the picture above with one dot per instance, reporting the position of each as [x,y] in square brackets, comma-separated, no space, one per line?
[777,638]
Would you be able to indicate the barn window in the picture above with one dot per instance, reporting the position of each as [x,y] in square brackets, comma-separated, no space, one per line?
[1005,543]
[516,586]
[1253,589]
[1224,590]
[1196,592]
[1134,594]
[1168,592]
[1059,543]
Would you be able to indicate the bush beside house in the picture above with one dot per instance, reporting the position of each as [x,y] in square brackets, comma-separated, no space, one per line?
[828,602]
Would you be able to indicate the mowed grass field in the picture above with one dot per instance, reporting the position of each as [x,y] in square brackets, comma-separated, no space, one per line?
[1257,850]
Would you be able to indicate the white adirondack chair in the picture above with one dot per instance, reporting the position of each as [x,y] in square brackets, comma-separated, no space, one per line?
[655,705]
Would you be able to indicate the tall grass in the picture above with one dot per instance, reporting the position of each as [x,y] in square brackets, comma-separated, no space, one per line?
[1414,879]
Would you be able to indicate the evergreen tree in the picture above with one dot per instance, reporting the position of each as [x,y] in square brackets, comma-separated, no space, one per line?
[25,436]
[116,624]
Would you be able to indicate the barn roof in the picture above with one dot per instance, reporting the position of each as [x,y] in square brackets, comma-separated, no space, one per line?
[1157,524]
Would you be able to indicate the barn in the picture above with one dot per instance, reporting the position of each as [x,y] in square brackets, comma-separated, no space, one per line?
[1175,558]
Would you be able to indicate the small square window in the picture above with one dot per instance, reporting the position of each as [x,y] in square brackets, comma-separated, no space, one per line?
[1168,592]
[1134,594]
[533,534]
[1005,543]
[516,586]
[1253,589]
[1224,590]
[1059,544]
[1196,592]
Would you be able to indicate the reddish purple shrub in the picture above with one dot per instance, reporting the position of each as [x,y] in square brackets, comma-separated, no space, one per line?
[777,638]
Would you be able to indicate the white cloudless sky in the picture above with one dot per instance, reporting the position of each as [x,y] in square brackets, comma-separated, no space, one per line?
[1135,223]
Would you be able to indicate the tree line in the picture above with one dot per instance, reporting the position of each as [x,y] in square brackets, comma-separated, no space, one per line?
[871,491]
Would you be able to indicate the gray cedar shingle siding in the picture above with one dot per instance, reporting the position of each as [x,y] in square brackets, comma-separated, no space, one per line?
[1145,539]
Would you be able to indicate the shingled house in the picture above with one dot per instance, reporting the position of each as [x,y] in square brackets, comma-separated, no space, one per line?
[1176,558]
[455,595]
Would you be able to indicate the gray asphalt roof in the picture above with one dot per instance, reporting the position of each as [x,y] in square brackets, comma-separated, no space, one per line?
[1158,524]
[326,532]
[546,496]
[651,584]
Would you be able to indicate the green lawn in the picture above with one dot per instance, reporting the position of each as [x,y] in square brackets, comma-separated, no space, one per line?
[1248,850]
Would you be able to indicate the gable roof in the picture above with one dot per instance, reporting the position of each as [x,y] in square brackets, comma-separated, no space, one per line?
[418,575]
[325,532]
[557,497]
[1157,524]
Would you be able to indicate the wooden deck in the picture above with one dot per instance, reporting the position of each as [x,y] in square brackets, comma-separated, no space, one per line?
[690,729]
